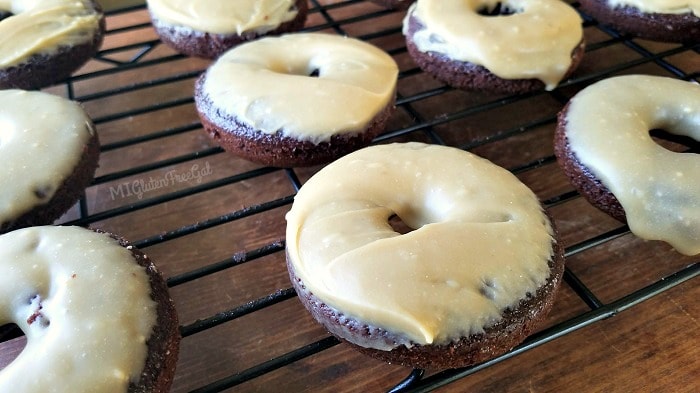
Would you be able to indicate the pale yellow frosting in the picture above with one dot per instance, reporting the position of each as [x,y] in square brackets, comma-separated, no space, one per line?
[42,26]
[661,6]
[608,126]
[481,241]
[225,16]
[266,84]
[42,138]
[536,42]
[89,306]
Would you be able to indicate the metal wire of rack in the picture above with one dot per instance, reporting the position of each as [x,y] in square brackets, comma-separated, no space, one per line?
[178,225]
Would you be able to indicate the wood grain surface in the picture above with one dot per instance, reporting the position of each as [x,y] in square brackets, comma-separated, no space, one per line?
[228,223]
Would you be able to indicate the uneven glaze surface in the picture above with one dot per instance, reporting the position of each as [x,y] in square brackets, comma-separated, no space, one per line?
[535,42]
[225,16]
[608,126]
[84,305]
[42,138]
[481,240]
[42,26]
[267,84]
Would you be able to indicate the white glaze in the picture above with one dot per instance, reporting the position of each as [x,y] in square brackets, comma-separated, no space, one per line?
[42,139]
[42,26]
[481,241]
[96,311]
[225,16]
[608,126]
[266,85]
[535,42]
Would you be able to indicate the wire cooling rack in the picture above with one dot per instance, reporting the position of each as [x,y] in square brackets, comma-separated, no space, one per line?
[215,223]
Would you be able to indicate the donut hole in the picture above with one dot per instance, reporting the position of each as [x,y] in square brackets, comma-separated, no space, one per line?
[399,226]
[42,192]
[675,143]
[12,343]
[4,14]
[498,9]
[307,68]
[9,332]
[301,70]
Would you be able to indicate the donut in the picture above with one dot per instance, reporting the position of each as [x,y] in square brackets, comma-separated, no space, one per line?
[208,29]
[477,272]
[300,99]
[657,20]
[95,311]
[50,152]
[398,4]
[512,46]
[603,144]
[46,41]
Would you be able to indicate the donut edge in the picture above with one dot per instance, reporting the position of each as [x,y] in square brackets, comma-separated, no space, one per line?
[469,76]
[43,70]
[517,323]
[650,26]
[196,43]
[277,150]
[164,343]
[67,194]
[587,184]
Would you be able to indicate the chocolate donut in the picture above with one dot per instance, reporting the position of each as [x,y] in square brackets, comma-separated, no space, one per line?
[477,272]
[659,20]
[48,40]
[46,164]
[603,144]
[297,100]
[95,310]
[495,46]
[208,29]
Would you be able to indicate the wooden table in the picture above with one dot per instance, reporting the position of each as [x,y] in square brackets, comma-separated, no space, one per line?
[626,319]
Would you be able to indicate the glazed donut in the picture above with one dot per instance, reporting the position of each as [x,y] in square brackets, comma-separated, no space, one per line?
[95,311]
[527,45]
[297,100]
[604,146]
[474,277]
[658,20]
[46,164]
[208,29]
[46,41]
